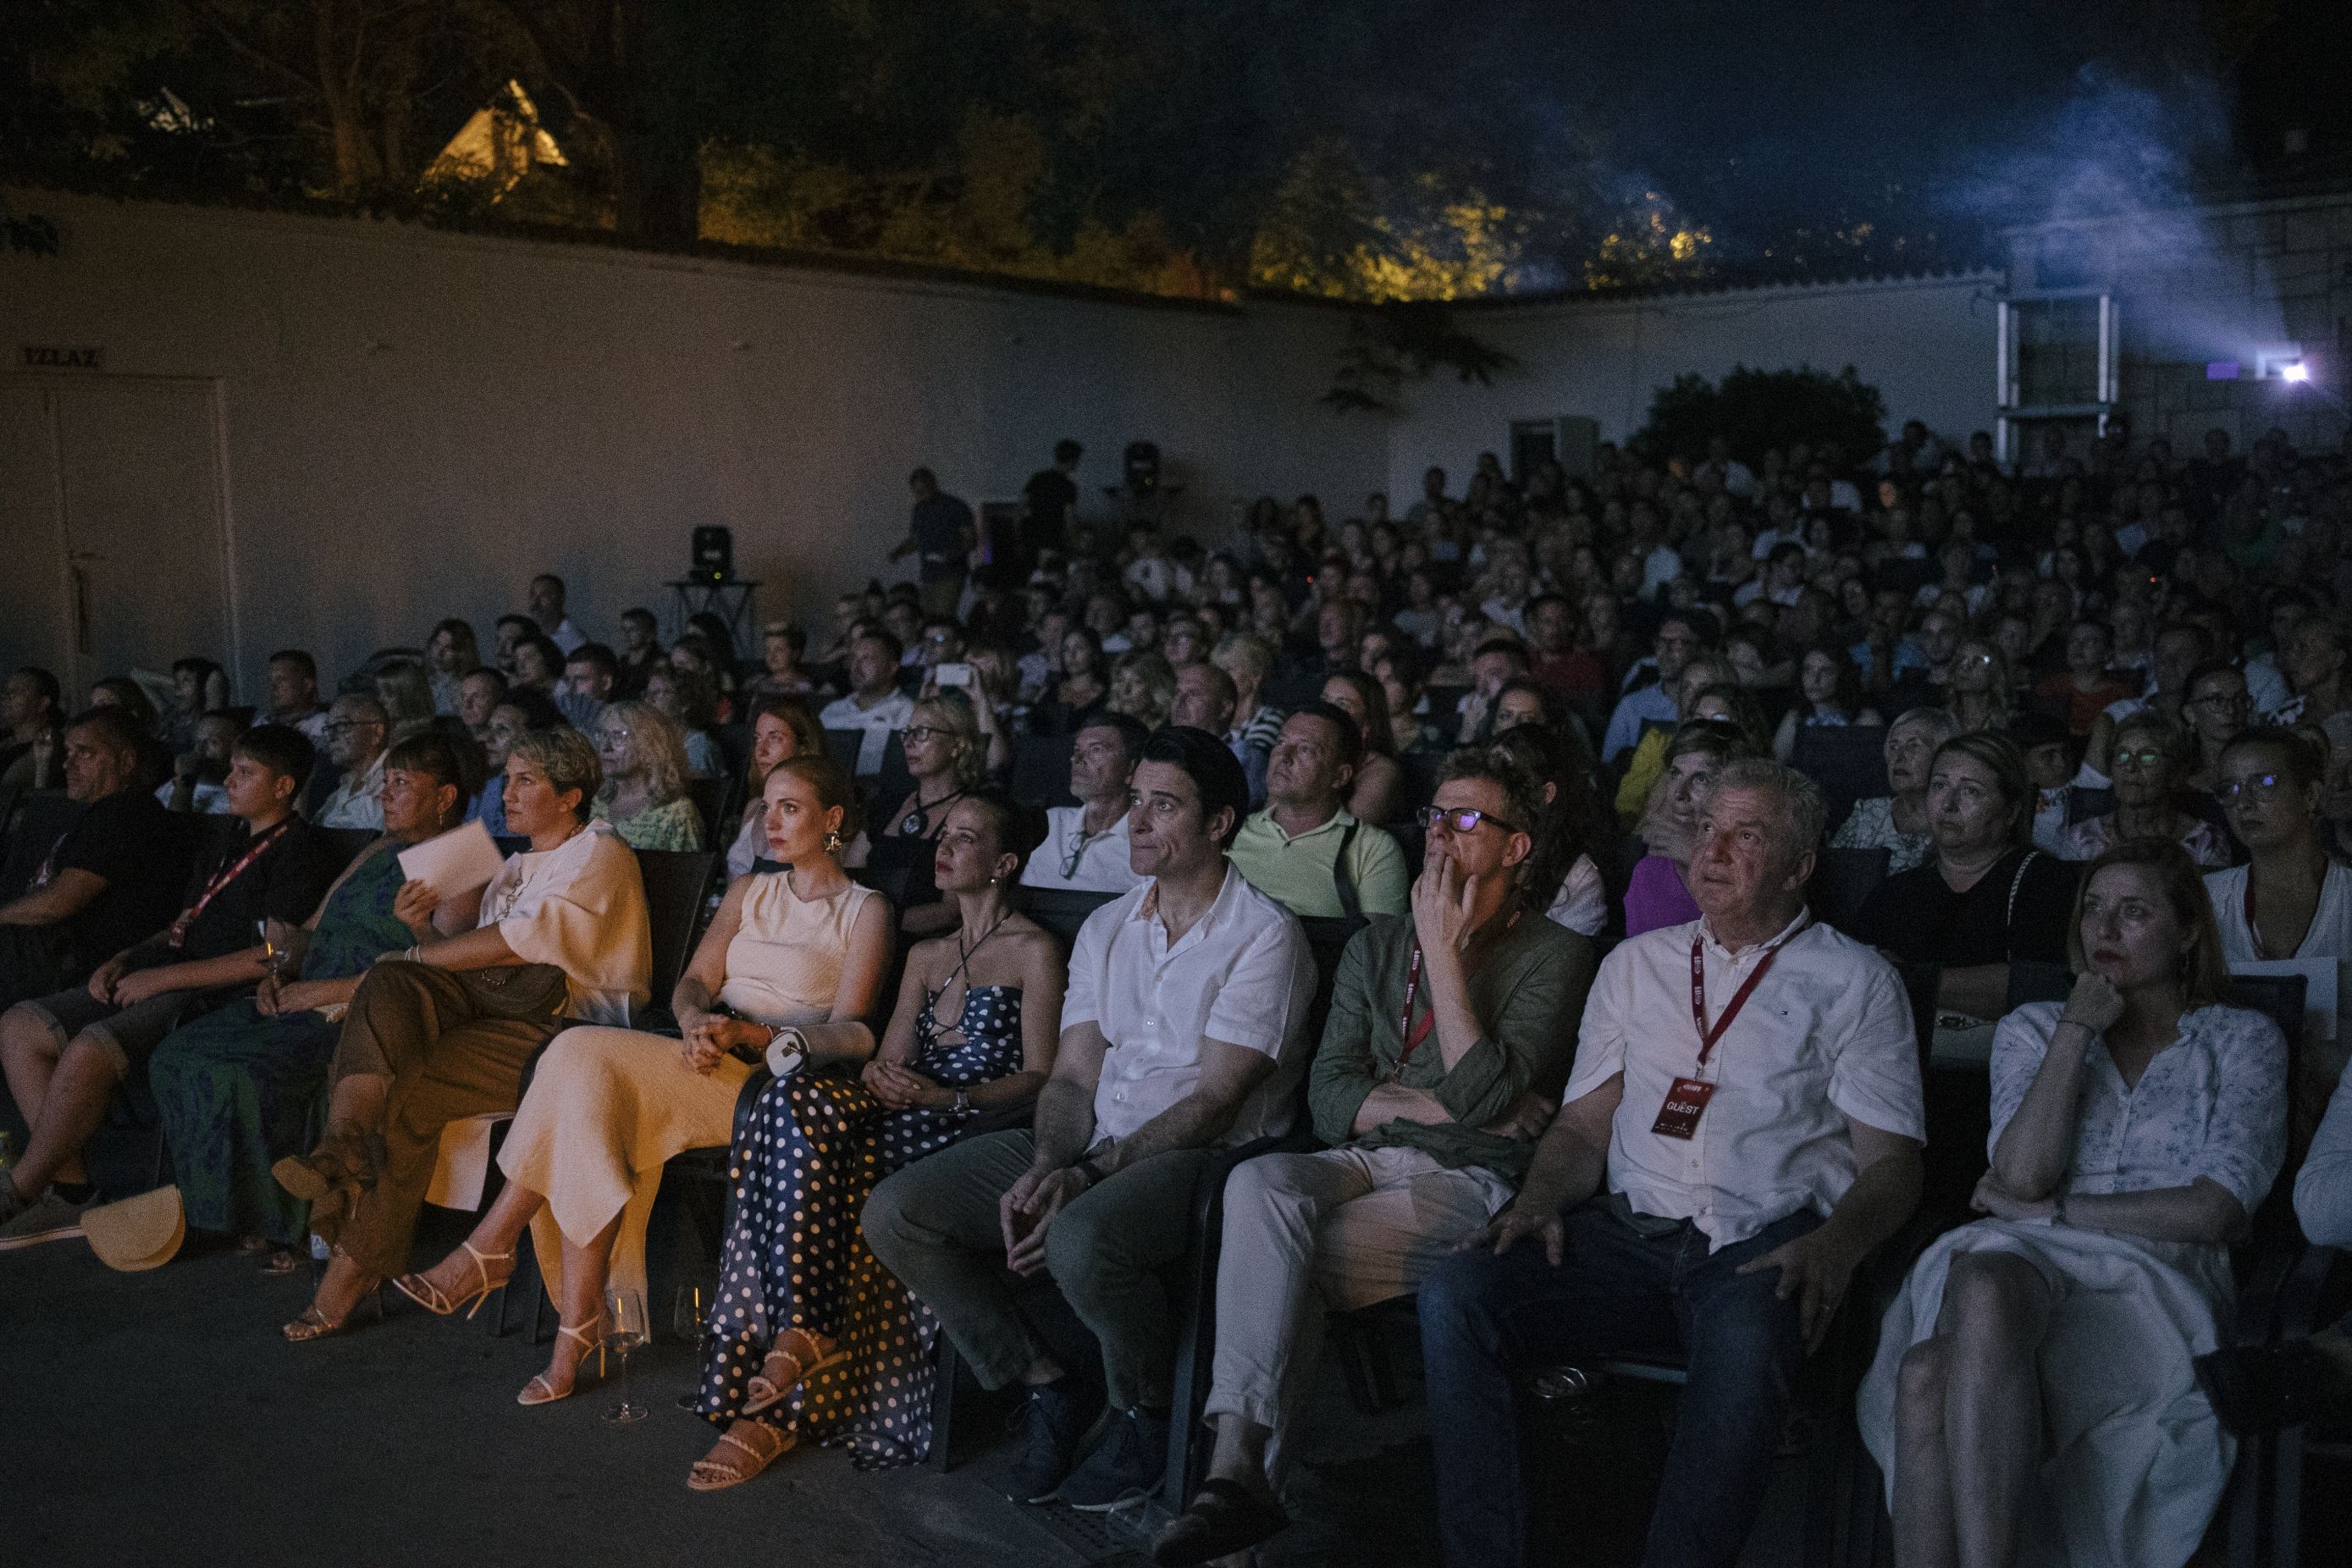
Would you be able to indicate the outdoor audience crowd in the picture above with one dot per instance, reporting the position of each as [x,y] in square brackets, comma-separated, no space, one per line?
[1548,884]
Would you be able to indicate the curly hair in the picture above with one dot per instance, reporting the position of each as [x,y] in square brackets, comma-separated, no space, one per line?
[656,745]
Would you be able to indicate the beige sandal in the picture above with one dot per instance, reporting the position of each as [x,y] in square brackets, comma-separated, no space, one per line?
[796,1357]
[540,1391]
[715,1475]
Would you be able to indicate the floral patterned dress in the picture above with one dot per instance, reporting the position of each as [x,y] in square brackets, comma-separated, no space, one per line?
[238,1091]
[811,1150]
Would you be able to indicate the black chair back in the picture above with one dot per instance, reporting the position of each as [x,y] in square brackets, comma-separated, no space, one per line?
[1842,880]
[42,818]
[1062,910]
[843,746]
[2280,999]
[675,880]
[1041,770]
[893,784]
[1849,762]
[2034,982]
[711,798]
[2083,805]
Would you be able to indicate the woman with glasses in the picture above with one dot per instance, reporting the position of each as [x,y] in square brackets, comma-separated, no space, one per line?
[644,797]
[2290,901]
[1898,823]
[684,693]
[2146,768]
[1980,688]
[948,759]
[2215,706]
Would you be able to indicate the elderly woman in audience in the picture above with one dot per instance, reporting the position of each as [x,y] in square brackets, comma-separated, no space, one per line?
[442,1032]
[1979,692]
[686,696]
[2147,767]
[1378,793]
[1988,900]
[451,654]
[1658,895]
[2033,1379]
[949,760]
[782,728]
[608,1106]
[237,1088]
[1829,692]
[643,758]
[1898,822]
[809,1336]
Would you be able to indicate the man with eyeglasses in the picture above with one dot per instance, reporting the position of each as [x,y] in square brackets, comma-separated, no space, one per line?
[358,737]
[1679,636]
[1306,850]
[1085,847]
[1449,1034]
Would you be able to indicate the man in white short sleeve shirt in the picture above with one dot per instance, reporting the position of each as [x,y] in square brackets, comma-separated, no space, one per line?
[1086,848]
[1707,1200]
[1183,1034]
[875,706]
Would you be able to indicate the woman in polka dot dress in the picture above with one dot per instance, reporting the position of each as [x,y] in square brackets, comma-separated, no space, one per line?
[809,1334]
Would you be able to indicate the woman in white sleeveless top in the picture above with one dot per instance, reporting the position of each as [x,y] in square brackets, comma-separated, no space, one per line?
[607,1107]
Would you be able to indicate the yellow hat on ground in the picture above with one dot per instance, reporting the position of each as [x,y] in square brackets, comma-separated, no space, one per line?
[144,1232]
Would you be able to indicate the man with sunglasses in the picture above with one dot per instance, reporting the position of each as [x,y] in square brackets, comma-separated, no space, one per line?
[1085,847]
[1450,1027]
[1306,850]
[1742,1128]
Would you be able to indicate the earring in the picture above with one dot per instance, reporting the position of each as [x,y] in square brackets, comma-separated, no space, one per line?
[833,842]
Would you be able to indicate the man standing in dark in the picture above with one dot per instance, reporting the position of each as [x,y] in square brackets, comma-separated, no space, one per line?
[1052,495]
[943,535]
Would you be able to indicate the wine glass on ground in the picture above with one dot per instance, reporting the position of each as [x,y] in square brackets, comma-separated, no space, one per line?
[689,1316]
[624,1331]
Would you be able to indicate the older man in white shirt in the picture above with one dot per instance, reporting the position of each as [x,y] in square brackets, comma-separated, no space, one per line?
[1742,1127]
[359,737]
[1086,848]
[1182,1033]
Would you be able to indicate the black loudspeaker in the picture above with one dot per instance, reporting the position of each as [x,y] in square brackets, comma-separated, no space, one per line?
[1142,467]
[714,554]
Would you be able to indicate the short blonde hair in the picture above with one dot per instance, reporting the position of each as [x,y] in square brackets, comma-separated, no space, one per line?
[567,758]
[951,711]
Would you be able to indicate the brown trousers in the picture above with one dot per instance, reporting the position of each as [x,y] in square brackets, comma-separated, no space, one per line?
[454,1045]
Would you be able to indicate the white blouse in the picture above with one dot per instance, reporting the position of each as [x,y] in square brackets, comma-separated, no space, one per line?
[2212,1104]
[581,907]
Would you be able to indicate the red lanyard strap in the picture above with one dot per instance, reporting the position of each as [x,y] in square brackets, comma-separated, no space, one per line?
[1414,1036]
[223,878]
[1707,1037]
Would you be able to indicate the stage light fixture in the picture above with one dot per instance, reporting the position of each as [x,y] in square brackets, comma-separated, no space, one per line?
[2294,371]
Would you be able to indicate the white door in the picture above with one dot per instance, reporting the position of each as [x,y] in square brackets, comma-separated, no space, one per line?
[115,484]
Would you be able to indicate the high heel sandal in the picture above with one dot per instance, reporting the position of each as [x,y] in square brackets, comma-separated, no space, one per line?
[427,1295]
[551,1393]
[313,1324]
[772,1385]
[712,1475]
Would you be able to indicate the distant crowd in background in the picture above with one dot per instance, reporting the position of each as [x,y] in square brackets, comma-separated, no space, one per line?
[1608,908]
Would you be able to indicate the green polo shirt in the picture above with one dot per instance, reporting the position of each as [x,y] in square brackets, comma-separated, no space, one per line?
[1296,873]
[1528,991]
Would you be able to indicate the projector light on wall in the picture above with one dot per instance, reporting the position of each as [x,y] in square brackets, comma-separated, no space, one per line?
[2283,364]
[2294,371]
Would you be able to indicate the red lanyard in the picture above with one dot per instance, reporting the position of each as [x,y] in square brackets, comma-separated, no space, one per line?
[1413,1036]
[1707,1037]
[2254,930]
[223,877]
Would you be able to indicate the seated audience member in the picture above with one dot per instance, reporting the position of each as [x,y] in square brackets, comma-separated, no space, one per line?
[1898,822]
[32,750]
[359,733]
[2318,664]
[1306,850]
[128,698]
[1988,900]
[1562,876]
[1701,672]
[2146,767]
[512,631]
[294,695]
[65,1053]
[1449,1030]
[1076,694]
[2035,1372]
[539,663]
[1496,663]
[236,1090]
[642,756]
[1829,693]
[2051,756]
[947,760]
[2083,691]
[198,687]
[782,646]
[1142,686]
[1181,1032]
[1206,700]
[199,781]
[782,728]
[524,712]
[640,650]
[2290,900]
[480,691]
[1716,1173]
[1086,848]
[607,1106]
[1378,794]
[808,1338]
[1553,656]
[685,694]
[874,706]
[547,614]
[442,1031]
[406,696]
[2215,707]
[1658,893]
[451,654]
[1678,638]
[112,877]
[592,679]
[1249,660]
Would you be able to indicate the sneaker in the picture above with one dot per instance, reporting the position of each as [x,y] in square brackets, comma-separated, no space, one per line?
[1132,1456]
[51,1219]
[1053,1419]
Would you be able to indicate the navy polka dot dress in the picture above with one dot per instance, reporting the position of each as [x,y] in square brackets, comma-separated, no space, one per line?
[813,1148]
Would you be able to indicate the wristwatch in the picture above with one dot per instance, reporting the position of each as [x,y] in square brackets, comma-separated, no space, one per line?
[962,1106]
[1093,1173]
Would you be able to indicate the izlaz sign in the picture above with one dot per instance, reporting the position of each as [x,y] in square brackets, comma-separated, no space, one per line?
[58,357]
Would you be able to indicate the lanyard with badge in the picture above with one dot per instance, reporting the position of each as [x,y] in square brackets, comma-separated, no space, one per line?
[1412,1038]
[1686,1100]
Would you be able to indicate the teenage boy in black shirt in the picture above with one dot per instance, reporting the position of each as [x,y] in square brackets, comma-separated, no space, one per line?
[65,1053]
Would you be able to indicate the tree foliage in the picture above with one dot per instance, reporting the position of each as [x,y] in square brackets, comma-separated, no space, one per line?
[1759,409]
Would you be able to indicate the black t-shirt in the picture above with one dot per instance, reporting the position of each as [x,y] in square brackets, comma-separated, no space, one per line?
[2016,913]
[284,884]
[1051,496]
[939,527]
[142,852]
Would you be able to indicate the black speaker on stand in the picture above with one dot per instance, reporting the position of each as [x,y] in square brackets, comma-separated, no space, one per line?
[714,554]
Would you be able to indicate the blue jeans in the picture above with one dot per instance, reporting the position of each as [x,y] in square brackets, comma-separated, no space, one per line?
[1482,1318]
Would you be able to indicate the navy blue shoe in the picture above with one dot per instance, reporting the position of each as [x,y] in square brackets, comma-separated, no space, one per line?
[1052,1420]
[1132,1456]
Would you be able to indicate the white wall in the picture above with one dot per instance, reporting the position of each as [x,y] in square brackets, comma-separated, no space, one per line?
[413,423]
[1926,344]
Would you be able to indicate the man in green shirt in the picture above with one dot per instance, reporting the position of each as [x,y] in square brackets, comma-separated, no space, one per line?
[1450,1032]
[1304,850]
